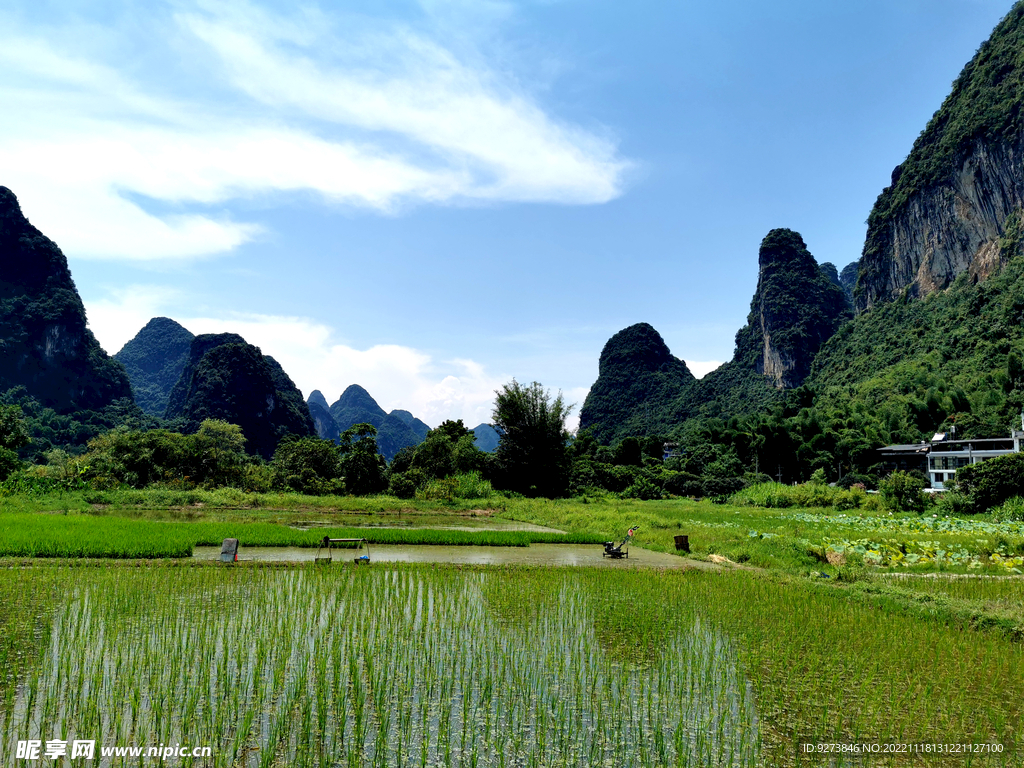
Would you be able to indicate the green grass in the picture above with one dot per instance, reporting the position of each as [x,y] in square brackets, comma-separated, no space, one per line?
[443,665]
[83,535]
[793,540]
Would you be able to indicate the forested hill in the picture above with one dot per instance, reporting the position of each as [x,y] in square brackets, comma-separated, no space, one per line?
[154,360]
[45,344]
[395,430]
[638,383]
[226,378]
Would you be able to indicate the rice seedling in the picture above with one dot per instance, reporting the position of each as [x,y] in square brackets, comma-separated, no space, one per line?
[414,665]
[404,666]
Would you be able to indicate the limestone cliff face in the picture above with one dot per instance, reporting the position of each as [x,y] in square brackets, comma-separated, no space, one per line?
[954,205]
[45,344]
[795,309]
[957,226]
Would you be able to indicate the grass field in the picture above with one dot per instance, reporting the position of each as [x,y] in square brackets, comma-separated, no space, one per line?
[446,666]
[794,540]
[455,665]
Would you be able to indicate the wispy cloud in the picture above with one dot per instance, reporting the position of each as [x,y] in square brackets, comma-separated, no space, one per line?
[113,162]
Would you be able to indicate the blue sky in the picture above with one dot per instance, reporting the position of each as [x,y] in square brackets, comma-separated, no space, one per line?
[430,198]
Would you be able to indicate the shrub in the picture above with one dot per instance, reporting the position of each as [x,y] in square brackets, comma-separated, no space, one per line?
[679,483]
[902,492]
[855,478]
[721,486]
[257,478]
[615,478]
[439,489]
[471,485]
[1012,510]
[991,482]
[402,486]
[954,503]
[642,489]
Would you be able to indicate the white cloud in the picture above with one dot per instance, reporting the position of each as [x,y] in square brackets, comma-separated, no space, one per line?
[372,117]
[395,376]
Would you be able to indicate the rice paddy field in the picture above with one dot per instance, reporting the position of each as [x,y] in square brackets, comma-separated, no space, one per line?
[433,665]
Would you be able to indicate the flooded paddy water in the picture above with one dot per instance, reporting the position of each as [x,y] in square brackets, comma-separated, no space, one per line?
[535,554]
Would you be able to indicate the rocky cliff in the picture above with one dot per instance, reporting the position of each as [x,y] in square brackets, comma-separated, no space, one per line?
[154,360]
[45,344]
[326,426]
[796,308]
[954,205]
[226,378]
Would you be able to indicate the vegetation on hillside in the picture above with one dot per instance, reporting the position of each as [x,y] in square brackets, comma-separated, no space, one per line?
[154,360]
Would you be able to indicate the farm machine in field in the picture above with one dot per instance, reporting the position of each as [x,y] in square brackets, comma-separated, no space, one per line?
[616,551]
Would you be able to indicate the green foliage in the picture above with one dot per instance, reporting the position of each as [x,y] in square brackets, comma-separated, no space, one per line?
[13,431]
[309,465]
[47,346]
[13,435]
[472,485]
[230,380]
[902,492]
[154,360]
[362,467]
[780,496]
[643,489]
[991,482]
[638,385]
[403,485]
[448,450]
[1011,510]
[213,456]
[532,457]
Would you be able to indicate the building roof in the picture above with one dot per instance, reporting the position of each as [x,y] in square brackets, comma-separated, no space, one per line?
[915,448]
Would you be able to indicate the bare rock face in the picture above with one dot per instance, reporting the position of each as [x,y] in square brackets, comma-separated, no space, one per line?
[957,226]
[954,205]
[45,344]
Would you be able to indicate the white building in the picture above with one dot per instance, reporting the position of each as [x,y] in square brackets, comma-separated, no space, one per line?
[945,457]
[942,456]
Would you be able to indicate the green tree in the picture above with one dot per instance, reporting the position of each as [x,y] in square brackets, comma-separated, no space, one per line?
[901,492]
[362,466]
[448,450]
[220,450]
[309,465]
[532,456]
[13,435]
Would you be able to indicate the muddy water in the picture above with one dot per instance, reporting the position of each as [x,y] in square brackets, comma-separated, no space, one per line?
[535,554]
